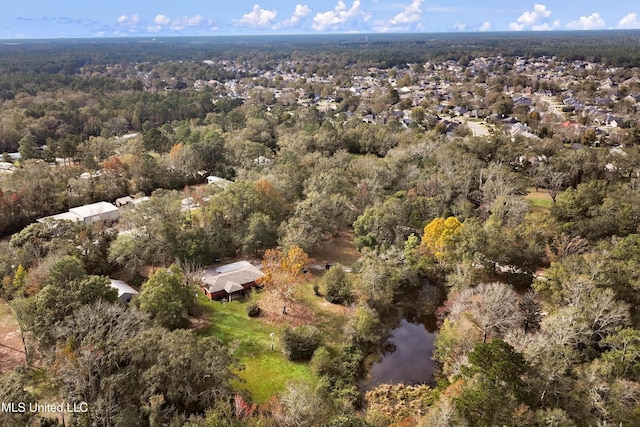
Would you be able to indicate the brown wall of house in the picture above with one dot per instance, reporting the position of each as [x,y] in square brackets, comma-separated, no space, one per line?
[224,294]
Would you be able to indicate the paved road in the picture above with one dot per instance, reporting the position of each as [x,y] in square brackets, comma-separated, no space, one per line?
[478,129]
[556,108]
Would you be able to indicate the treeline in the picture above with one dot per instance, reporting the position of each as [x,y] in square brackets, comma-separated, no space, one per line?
[96,110]
[69,57]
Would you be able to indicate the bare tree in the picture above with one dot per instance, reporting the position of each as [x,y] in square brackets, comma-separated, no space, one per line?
[566,245]
[498,181]
[491,307]
[554,182]
[300,406]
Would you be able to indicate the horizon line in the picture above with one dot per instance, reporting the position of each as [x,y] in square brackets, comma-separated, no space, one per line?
[349,34]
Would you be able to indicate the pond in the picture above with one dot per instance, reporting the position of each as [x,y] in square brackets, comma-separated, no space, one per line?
[410,361]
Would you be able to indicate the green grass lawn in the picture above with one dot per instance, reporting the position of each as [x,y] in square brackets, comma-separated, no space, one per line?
[541,200]
[330,318]
[265,372]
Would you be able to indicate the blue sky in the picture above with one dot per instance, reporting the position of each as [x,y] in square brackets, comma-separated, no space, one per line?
[144,18]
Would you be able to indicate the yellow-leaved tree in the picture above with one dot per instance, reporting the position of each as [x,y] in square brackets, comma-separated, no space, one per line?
[283,271]
[439,234]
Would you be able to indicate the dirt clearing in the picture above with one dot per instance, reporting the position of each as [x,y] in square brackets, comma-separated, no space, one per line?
[340,249]
[11,348]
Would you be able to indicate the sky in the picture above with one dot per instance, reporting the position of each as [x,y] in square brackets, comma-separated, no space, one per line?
[29,19]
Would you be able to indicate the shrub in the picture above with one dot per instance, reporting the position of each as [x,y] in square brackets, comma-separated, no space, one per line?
[342,375]
[399,401]
[338,286]
[365,329]
[300,343]
[321,360]
[347,421]
[253,310]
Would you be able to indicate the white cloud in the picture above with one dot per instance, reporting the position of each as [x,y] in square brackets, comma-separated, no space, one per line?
[411,14]
[592,22]
[130,21]
[546,26]
[257,18]
[629,22]
[298,15]
[460,26]
[531,18]
[541,27]
[539,12]
[381,27]
[162,20]
[486,26]
[185,21]
[194,21]
[338,17]
[407,20]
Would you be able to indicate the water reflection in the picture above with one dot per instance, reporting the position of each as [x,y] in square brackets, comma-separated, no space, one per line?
[410,362]
[406,356]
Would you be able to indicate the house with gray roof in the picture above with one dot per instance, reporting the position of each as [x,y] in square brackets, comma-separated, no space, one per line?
[230,280]
[101,211]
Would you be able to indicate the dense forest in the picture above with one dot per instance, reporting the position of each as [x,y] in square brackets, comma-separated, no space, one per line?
[515,227]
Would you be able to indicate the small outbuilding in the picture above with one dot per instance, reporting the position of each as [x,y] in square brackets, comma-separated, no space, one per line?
[221,182]
[123,201]
[125,292]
